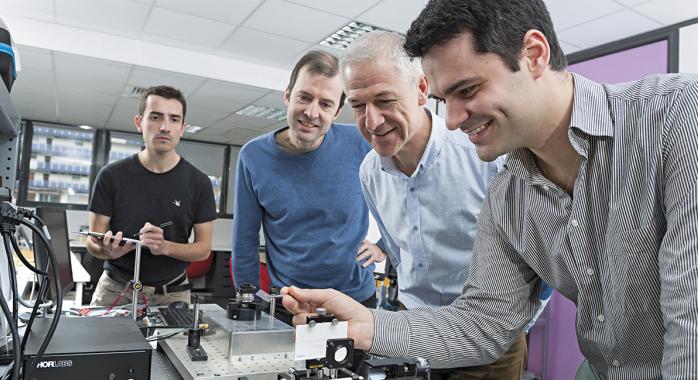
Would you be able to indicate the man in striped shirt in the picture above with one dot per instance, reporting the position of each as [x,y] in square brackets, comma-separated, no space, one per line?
[598,197]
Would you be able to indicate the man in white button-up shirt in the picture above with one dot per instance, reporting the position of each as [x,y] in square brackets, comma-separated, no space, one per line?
[423,184]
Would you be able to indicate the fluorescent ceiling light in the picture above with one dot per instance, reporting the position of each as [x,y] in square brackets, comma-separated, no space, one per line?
[192,128]
[262,112]
[347,34]
[132,91]
[87,127]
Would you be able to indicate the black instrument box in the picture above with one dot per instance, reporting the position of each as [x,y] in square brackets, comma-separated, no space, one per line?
[89,348]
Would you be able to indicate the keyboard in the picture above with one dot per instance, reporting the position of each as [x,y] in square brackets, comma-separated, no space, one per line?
[177,317]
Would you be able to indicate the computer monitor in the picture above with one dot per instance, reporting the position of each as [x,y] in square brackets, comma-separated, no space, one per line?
[57,226]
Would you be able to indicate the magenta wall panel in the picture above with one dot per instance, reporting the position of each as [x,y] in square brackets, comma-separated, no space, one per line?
[626,65]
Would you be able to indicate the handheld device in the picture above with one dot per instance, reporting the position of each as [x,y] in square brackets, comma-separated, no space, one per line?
[100,236]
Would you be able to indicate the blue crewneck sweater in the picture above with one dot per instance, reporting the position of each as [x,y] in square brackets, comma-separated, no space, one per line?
[312,210]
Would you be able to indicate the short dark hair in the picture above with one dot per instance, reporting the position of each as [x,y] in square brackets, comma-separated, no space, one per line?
[166,92]
[498,26]
[319,63]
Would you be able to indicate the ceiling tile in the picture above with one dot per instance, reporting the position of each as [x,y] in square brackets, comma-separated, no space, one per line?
[167,41]
[608,28]
[239,136]
[33,104]
[117,17]
[33,96]
[264,48]
[669,11]
[37,112]
[395,15]
[89,83]
[216,94]
[294,21]
[33,58]
[93,120]
[145,77]
[218,111]
[36,9]
[631,3]
[182,27]
[228,11]
[274,99]
[34,78]
[79,100]
[247,122]
[67,63]
[210,132]
[122,116]
[95,116]
[564,15]
[341,8]
[218,130]
[204,118]
[568,48]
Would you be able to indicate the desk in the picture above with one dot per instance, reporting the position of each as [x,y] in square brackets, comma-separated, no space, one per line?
[161,368]
[261,348]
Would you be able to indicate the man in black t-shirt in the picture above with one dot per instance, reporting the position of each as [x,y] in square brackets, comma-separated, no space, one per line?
[134,196]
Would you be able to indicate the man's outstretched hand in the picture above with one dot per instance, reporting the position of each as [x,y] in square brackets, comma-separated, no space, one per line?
[303,302]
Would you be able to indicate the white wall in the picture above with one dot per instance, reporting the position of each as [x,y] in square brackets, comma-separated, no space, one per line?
[688,54]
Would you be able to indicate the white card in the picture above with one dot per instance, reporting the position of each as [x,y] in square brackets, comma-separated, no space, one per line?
[311,342]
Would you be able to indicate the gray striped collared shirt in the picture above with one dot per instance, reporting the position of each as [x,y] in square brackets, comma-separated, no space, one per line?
[624,248]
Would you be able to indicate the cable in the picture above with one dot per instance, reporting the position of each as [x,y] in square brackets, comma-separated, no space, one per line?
[12,317]
[37,272]
[155,338]
[17,365]
[42,291]
[27,303]
[13,278]
[59,294]
[24,260]
[11,216]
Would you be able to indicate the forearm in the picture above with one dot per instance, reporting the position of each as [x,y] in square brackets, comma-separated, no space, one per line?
[245,262]
[466,333]
[189,252]
[245,246]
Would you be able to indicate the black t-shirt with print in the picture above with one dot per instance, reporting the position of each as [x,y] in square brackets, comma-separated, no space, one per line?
[132,195]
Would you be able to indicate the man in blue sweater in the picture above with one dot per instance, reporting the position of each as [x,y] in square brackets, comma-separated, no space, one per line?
[301,183]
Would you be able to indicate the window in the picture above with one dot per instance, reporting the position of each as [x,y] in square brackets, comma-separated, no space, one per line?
[210,159]
[60,164]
